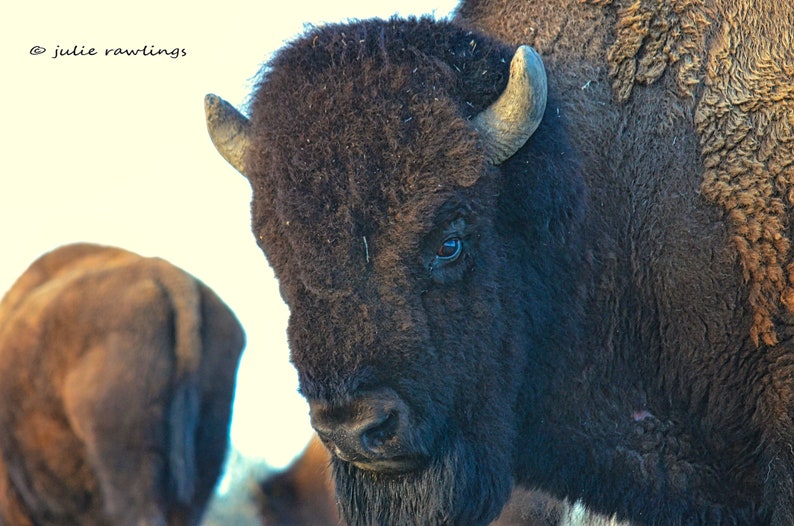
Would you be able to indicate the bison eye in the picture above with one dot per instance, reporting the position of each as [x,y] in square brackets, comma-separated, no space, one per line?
[449,250]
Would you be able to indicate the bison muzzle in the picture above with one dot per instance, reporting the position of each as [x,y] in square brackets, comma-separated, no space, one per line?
[372,432]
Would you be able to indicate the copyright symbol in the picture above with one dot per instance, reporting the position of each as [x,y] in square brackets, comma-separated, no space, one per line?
[37,50]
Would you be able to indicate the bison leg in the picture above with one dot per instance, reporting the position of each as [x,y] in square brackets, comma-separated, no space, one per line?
[115,400]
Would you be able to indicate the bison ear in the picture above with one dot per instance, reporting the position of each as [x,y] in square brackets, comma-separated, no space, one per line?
[229,130]
[507,123]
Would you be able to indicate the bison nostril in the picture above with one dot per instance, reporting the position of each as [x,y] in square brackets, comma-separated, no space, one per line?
[377,433]
[368,428]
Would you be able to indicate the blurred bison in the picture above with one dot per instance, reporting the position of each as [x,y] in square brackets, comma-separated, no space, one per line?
[303,494]
[116,380]
[588,290]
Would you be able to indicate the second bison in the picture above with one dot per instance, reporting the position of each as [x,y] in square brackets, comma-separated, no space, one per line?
[117,374]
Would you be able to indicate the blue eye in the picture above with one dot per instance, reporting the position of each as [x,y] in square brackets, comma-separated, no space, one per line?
[450,250]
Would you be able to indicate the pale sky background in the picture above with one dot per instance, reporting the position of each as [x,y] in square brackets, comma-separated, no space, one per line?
[114,150]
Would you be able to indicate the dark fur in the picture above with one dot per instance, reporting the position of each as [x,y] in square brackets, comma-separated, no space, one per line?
[691,194]
[598,339]
[116,380]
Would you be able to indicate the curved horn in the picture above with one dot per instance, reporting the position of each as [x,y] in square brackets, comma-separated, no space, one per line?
[229,130]
[515,115]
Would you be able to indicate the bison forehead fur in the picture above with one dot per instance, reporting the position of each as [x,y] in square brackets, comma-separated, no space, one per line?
[364,162]
[116,378]
[364,130]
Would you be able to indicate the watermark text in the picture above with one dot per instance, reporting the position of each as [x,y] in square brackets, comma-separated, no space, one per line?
[81,50]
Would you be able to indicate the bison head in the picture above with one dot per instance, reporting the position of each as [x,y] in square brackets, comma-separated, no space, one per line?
[422,243]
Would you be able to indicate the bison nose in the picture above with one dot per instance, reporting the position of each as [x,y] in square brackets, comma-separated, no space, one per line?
[359,429]
[369,432]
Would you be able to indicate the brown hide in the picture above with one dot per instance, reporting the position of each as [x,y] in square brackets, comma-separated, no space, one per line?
[116,381]
[719,73]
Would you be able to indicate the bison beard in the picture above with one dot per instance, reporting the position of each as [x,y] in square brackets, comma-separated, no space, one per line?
[468,485]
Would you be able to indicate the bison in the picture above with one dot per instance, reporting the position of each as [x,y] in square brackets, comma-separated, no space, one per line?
[117,374]
[573,274]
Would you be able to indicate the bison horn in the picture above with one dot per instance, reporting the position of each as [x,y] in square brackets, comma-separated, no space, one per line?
[229,130]
[507,123]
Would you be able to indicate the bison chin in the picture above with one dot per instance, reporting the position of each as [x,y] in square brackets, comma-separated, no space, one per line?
[466,486]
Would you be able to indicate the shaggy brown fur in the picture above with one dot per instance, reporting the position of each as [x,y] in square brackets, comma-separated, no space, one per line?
[717,73]
[738,62]
[116,381]
[731,63]
[745,118]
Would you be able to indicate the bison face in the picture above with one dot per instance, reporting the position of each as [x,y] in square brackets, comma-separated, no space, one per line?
[399,339]
[391,364]
[374,154]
